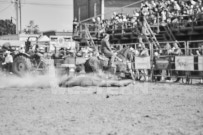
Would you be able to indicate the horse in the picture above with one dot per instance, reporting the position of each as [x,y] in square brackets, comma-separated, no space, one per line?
[93,80]
[124,66]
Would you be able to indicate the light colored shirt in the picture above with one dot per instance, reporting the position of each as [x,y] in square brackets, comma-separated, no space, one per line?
[9,59]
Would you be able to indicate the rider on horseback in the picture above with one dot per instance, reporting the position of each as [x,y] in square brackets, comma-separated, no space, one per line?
[106,49]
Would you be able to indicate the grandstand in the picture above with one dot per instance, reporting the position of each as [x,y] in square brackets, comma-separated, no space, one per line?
[159,24]
[126,27]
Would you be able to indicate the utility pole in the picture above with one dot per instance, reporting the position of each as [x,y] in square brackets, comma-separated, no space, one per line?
[95,9]
[16,7]
[20,16]
[79,14]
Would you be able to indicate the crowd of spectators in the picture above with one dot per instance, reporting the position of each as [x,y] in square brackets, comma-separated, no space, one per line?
[183,12]
[155,11]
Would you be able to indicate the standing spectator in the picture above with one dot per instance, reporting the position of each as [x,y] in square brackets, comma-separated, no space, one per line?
[143,53]
[163,16]
[176,51]
[167,52]
[200,53]
[75,26]
[8,62]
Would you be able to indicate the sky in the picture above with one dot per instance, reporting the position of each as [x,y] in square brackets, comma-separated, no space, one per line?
[48,14]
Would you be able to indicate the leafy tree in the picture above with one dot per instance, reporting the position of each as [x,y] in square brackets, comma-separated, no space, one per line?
[7,27]
[32,28]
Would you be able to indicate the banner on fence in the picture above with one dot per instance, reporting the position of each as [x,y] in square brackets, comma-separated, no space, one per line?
[200,63]
[184,63]
[142,63]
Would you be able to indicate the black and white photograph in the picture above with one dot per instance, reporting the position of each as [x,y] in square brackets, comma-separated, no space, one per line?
[101,67]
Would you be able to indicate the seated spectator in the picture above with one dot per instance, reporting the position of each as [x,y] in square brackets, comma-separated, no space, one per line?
[170,11]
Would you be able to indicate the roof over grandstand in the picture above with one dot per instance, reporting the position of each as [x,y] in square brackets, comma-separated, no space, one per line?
[121,3]
[85,9]
[57,33]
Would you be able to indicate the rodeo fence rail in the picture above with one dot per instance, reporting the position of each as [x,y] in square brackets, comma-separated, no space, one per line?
[173,60]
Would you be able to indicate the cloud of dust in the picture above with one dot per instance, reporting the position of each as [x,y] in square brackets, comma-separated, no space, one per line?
[41,81]
[36,81]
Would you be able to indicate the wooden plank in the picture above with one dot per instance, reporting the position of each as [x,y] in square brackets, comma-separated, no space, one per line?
[200,63]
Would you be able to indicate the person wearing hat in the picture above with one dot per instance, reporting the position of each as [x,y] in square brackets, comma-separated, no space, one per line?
[8,61]
[143,50]
[7,46]
[106,49]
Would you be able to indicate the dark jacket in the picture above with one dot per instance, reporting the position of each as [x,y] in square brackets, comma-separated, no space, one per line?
[106,49]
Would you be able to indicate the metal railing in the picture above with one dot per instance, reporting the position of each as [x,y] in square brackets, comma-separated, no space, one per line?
[171,65]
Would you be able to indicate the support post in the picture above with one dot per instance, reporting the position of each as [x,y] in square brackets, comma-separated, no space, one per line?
[20,16]
[95,9]
[102,9]
[17,25]
[79,14]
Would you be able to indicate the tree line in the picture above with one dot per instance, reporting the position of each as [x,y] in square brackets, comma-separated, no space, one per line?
[7,27]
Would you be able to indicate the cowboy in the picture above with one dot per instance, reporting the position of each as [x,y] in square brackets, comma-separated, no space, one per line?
[106,49]
[8,61]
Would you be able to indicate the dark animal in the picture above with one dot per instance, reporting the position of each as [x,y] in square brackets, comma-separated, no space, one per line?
[126,66]
[93,80]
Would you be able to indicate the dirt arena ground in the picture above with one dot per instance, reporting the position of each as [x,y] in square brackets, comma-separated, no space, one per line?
[140,109]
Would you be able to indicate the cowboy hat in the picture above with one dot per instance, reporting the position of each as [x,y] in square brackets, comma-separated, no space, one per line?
[7,52]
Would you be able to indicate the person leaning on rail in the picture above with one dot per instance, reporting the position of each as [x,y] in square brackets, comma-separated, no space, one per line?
[143,52]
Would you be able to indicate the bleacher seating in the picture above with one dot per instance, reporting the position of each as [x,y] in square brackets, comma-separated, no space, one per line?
[170,20]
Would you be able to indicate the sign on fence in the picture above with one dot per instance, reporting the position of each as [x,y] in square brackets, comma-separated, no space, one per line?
[184,63]
[200,63]
[142,63]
